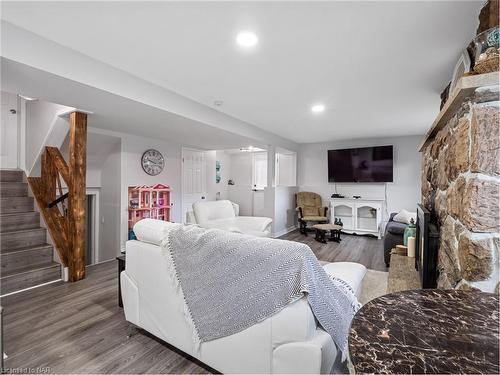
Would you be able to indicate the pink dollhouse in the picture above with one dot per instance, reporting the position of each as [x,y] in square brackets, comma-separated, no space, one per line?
[148,202]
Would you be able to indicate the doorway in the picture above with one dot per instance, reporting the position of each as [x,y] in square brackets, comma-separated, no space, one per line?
[92,227]
[193,178]
[259,183]
[89,255]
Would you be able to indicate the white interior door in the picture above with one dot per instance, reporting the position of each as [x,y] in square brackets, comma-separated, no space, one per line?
[193,178]
[259,183]
[8,131]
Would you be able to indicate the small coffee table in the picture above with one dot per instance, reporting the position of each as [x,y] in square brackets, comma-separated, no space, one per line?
[321,230]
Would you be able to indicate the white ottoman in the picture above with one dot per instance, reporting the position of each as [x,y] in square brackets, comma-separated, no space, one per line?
[352,273]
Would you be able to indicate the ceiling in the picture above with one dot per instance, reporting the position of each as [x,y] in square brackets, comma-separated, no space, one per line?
[378,67]
[116,113]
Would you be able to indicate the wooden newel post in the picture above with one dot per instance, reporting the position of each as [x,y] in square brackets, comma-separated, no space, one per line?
[77,194]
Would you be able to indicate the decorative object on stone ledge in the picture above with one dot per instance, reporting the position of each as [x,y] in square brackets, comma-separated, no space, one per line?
[427,331]
[488,61]
[444,95]
[400,250]
[411,246]
[486,54]
[462,66]
[410,231]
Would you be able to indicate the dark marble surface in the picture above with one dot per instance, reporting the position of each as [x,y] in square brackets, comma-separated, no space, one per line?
[427,331]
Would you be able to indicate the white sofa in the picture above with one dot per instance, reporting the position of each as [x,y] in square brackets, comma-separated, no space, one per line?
[288,342]
[223,214]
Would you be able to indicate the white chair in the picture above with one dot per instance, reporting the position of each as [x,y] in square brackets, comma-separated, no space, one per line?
[223,215]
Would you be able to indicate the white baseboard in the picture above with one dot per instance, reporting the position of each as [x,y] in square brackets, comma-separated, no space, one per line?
[284,231]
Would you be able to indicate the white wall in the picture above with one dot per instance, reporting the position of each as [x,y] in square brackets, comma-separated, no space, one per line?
[44,127]
[286,169]
[9,130]
[113,170]
[132,174]
[120,169]
[212,187]
[285,216]
[109,245]
[94,177]
[404,192]
[278,201]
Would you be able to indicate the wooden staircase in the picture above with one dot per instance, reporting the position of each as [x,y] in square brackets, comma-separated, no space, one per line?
[26,259]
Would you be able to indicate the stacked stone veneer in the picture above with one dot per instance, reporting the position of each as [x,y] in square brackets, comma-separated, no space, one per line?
[461,183]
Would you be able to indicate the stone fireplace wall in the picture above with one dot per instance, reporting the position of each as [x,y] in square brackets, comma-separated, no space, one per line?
[461,184]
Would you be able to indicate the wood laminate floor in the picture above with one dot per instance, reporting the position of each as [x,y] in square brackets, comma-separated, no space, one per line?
[69,328]
[366,250]
[79,328]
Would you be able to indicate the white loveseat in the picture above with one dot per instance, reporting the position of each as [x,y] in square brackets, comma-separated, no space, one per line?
[287,342]
[223,214]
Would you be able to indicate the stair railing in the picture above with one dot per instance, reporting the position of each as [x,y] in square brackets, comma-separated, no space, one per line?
[65,223]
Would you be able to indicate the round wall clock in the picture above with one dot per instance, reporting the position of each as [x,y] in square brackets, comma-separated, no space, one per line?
[152,162]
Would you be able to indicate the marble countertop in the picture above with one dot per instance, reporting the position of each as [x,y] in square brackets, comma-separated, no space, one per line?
[427,331]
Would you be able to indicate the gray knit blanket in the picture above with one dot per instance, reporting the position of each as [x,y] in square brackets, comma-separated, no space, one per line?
[232,281]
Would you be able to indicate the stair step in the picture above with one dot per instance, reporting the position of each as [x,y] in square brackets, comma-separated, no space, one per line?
[16,204]
[29,276]
[26,259]
[13,189]
[22,239]
[19,221]
[11,175]
[17,259]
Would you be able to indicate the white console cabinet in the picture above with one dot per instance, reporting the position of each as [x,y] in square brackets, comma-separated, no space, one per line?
[359,216]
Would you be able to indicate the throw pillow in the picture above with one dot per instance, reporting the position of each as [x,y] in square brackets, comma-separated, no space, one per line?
[405,216]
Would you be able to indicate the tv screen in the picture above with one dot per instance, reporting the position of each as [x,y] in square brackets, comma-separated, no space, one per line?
[367,164]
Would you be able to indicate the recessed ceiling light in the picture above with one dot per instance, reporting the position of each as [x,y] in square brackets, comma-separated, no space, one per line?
[318,108]
[246,39]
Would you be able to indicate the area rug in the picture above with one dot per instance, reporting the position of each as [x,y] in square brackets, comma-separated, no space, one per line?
[374,285]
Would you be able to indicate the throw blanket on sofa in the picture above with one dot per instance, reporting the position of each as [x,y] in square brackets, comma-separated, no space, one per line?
[232,281]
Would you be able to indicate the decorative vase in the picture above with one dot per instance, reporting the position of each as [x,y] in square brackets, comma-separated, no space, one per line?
[487,51]
[410,231]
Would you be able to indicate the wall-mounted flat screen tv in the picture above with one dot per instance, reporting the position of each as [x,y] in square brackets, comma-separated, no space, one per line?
[366,164]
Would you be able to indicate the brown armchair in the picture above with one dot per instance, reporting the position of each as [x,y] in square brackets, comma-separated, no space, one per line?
[310,209]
